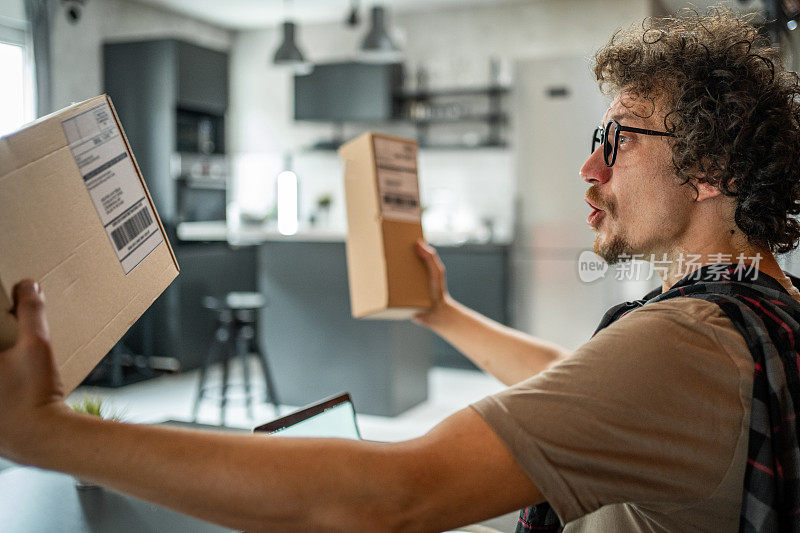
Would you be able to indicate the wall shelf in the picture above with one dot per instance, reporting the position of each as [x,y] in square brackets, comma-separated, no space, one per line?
[463,146]
[491,118]
[429,108]
[332,146]
[498,90]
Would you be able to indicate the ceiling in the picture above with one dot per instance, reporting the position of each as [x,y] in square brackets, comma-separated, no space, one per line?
[250,14]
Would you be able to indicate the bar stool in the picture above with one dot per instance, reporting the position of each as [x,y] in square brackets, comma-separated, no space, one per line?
[235,336]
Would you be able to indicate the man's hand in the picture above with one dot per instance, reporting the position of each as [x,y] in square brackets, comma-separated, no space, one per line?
[440,297]
[30,386]
[509,355]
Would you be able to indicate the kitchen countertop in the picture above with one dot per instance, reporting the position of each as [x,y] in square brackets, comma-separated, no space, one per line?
[249,235]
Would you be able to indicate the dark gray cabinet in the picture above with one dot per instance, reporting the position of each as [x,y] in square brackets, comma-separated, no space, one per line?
[318,349]
[151,83]
[202,78]
[349,91]
[477,276]
[315,346]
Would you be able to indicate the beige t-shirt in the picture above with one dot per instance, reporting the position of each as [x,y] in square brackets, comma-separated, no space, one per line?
[644,428]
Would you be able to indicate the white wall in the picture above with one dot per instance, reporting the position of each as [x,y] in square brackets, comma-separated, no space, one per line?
[77,48]
[455,46]
[12,11]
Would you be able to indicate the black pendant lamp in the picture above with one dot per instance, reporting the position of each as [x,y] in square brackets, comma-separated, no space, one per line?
[378,46]
[288,54]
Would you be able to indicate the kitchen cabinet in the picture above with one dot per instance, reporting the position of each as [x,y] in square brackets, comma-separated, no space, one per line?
[317,349]
[477,276]
[157,87]
[202,78]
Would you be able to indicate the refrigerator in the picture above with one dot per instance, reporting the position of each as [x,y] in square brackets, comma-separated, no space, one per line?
[557,105]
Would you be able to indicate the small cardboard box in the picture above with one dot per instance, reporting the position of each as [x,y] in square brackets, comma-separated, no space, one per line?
[76,215]
[387,278]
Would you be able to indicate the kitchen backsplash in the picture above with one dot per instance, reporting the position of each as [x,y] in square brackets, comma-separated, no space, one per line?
[466,195]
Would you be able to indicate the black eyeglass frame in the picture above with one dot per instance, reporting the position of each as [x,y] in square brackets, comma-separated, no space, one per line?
[611,150]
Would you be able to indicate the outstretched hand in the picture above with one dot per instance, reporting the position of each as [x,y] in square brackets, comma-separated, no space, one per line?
[437,279]
[30,385]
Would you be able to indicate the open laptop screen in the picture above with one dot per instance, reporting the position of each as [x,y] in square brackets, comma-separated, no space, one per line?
[331,417]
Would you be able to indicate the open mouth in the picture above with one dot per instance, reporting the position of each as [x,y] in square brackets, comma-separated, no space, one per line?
[596,216]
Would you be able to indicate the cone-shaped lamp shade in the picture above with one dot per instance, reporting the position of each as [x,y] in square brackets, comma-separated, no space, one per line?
[288,52]
[378,44]
[289,55]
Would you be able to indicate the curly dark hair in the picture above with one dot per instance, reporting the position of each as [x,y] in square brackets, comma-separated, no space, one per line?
[734,110]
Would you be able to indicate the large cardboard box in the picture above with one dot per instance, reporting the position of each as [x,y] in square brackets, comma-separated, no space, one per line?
[387,278]
[75,215]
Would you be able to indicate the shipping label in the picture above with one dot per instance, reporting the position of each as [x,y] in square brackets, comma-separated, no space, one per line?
[113,184]
[398,187]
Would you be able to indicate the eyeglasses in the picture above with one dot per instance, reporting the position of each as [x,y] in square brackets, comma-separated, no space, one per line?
[609,138]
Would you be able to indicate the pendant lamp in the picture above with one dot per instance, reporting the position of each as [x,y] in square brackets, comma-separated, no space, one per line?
[288,54]
[378,46]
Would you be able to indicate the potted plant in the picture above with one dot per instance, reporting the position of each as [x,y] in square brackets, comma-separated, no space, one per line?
[321,214]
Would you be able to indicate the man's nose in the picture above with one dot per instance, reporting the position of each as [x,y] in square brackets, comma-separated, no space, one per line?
[594,170]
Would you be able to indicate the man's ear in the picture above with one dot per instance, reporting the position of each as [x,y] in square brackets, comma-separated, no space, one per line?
[709,168]
[705,191]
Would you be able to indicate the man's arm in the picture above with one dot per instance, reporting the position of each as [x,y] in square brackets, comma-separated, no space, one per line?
[460,472]
[509,355]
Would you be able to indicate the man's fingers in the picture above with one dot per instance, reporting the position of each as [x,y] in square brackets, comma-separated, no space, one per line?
[427,253]
[431,258]
[423,249]
[29,308]
[434,264]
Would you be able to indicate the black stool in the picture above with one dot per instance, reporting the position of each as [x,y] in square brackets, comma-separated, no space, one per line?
[237,316]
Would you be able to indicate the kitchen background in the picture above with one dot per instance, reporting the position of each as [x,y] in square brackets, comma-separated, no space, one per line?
[455,44]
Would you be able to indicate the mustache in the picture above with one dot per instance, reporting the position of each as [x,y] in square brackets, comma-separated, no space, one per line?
[598,200]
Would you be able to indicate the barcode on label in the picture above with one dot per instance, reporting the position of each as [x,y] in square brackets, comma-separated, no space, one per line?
[131,228]
[400,200]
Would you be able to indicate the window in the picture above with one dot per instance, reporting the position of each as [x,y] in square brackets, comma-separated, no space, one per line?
[16,91]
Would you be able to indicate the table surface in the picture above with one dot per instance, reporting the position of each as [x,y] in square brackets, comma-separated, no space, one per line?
[40,501]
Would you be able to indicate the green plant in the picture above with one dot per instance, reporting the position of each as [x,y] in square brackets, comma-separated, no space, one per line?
[324,201]
[96,406]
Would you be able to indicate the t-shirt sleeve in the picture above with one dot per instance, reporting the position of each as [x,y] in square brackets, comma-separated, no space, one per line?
[649,412]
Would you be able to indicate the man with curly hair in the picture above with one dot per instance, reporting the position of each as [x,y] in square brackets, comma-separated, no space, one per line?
[677,415]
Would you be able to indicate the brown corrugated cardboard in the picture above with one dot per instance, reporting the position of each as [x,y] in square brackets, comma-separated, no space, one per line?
[387,278]
[75,215]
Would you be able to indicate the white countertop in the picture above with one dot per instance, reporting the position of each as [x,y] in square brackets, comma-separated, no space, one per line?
[252,234]
[248,235]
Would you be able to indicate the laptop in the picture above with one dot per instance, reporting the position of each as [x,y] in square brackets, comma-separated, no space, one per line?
[331,417]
